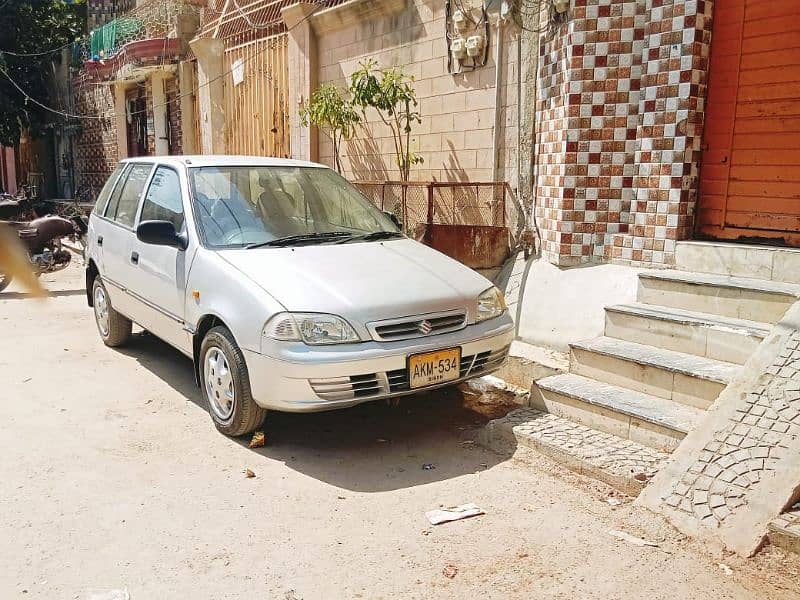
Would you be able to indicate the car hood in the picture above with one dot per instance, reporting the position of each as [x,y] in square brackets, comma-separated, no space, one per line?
[363,282]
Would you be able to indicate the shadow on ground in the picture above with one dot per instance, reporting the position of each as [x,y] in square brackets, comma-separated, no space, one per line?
[372,447]
[54,294]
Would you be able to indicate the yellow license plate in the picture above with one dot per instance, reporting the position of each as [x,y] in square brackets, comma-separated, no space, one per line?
[433,368]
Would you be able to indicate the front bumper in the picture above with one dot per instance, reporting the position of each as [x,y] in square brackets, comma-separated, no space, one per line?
[298,378]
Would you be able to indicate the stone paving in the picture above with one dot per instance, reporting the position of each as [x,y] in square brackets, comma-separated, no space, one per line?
[785,529]
[750,444]
[621,463]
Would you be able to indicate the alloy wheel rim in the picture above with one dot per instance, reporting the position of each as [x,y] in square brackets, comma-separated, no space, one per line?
[101,309]
[219,383]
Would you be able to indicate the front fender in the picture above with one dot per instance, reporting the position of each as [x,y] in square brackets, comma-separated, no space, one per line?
[216,288]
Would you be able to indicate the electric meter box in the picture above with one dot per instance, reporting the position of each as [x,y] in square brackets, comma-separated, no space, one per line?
[474,45]
[460,20]
[458,48]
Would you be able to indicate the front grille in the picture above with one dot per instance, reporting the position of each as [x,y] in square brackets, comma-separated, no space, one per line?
[396,381]
[411,327]
[349,388]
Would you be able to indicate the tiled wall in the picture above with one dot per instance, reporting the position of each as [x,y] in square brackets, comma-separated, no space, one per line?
[96,146]
[101,12]
[620,110]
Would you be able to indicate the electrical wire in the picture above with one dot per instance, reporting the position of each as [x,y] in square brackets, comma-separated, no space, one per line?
[248,20]
[320,4]
[46,52]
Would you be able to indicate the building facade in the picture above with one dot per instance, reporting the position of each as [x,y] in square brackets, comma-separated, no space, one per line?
[623,125]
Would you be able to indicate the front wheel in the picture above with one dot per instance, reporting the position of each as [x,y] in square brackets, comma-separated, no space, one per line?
[225,385]
[5,281]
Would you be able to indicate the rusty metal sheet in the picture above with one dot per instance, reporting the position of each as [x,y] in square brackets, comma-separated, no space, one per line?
[477,246]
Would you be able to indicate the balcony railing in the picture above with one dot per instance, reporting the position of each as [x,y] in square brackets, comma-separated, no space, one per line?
[160,27]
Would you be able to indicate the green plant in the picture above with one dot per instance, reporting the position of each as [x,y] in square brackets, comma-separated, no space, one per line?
[391,93]
[331,112]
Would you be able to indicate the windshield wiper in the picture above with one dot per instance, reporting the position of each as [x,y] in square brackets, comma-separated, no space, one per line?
[371,237]
[291,240]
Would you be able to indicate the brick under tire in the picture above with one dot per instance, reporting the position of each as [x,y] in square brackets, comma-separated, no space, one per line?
[219,351]
[114,328]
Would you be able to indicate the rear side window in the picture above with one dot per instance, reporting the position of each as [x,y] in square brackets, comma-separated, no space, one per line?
[125,199]
[102,199]
[163,201]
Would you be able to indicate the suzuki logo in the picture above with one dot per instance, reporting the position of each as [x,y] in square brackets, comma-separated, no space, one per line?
[425,327]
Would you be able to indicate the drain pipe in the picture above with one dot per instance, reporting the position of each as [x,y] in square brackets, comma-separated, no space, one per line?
[498,77]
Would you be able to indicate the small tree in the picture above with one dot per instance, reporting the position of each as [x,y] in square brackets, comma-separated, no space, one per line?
[391,93]
[329,110]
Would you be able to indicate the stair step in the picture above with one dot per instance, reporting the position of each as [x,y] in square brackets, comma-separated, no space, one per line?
[739,260]
[713,336]
[684,378]
[621,463]
[643,418]
[784,530]
[737,297]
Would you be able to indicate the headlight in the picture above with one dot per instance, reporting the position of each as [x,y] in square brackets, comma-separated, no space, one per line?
[490,304]
[315,329]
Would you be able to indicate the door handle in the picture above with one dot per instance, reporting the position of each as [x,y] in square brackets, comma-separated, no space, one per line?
[135,258]
[99,240]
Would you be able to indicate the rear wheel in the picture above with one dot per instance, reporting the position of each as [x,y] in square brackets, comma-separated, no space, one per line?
[5,281]
[225,385]
[115,329]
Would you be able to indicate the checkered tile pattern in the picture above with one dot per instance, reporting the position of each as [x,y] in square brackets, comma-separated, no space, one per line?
[101,12]
[96,146]
[620,116]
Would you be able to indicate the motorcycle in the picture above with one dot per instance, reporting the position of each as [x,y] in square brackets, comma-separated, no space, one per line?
[43,240]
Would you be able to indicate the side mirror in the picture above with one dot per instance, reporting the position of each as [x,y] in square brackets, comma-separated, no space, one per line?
[394,219]
[161,233]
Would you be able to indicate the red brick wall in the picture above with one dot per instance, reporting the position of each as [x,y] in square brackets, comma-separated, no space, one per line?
[96,145]
[174,116]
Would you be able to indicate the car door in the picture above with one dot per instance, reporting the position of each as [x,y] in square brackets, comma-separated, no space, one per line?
[159,273]
[98,225]
[118,236]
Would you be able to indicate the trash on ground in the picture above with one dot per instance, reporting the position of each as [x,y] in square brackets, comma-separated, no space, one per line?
[258,440]
[381,440]
[450,571]
[249,473]
[428,467]
[725,569]
[632,539]
[613,501]
[453,513]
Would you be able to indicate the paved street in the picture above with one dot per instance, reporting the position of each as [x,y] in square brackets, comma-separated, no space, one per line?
[113,477]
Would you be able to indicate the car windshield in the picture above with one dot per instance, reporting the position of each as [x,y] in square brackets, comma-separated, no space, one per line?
[243,206]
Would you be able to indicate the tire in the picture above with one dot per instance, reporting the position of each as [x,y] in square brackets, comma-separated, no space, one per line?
[114,328]
[225,385]
[5,281]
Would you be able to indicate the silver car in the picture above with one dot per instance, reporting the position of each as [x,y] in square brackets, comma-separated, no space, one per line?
[286,287]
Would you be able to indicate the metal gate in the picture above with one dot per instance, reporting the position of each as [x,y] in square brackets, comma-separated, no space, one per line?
[256,97]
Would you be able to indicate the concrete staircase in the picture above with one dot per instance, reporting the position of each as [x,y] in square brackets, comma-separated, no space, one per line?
[665,358]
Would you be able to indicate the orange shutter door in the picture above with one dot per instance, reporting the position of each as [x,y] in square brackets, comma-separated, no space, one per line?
[750,171]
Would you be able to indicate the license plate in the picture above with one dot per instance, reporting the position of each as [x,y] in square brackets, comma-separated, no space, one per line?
[432,368]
